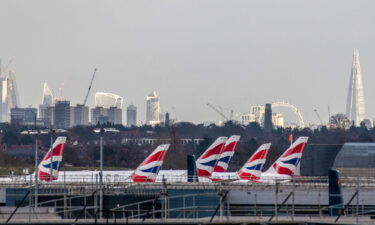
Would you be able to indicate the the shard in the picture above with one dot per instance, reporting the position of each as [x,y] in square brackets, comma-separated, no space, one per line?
[355,105]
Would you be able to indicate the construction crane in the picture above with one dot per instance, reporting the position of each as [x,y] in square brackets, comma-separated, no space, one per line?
[2,70]
[9,63]
[231,114]
[175,113]
[317,114]
[88,91]
[218,111]
[329,114]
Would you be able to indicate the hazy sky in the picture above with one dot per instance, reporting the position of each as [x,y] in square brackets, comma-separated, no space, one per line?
[233,54]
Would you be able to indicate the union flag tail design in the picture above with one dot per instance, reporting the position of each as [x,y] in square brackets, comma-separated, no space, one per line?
[288,161]
[207,161]
[226,154]
[252,169]
[44,168]
[149,168]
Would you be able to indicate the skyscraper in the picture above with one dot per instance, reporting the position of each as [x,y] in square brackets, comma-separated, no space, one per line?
[47,98]
[131,115]
[3,99]
[152,109]
[108,108]
[355,104]
[256,115]
[79,115]
[49,116]
[97,115]
[108,100]
[47,101]
[23,116]
[268,118]
[106,115]
[62,115]
[167,119]
[115,115]
[8,95]
[277,119]
[13,100]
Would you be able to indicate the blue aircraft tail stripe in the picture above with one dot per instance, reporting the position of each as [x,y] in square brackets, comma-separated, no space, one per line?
[211,163]
[151,170]
[256,167]
[292,161]
[55,165]
[225,159]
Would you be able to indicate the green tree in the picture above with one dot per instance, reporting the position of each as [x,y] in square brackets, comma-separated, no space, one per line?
[27,139]
[10,138]
[339,121]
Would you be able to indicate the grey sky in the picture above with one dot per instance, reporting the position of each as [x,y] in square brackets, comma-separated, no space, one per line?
[230,53]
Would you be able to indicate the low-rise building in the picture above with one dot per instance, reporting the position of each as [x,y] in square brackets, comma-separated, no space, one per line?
[23,116]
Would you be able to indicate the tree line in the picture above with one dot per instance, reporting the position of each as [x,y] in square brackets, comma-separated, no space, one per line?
[82,148]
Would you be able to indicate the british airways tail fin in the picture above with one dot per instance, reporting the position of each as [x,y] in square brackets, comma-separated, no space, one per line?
[54,162]
[207,161]
[252,169]
[149,168]
[226,154]
[289,160]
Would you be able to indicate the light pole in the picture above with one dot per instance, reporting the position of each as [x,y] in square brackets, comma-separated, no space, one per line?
[51,144]
[35,132]
[101,131]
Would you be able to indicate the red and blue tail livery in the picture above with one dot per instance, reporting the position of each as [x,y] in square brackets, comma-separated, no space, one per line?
[252,169]
[149,168]
[207,161]
[44,169]
[226,154]
[288,161]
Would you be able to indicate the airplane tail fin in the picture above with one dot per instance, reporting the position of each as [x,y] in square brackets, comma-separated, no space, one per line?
[289,160]
[44,168]
[207,161]
[149,168]
[252,169]
[226,154]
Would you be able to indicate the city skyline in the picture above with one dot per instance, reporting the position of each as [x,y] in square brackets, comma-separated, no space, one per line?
[218,57]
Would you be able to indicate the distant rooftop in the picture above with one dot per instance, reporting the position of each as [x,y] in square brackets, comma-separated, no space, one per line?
[152,95]
[108,100]
[356,156]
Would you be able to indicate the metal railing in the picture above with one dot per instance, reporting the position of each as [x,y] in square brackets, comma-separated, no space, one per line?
[92,177]
[284,198]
